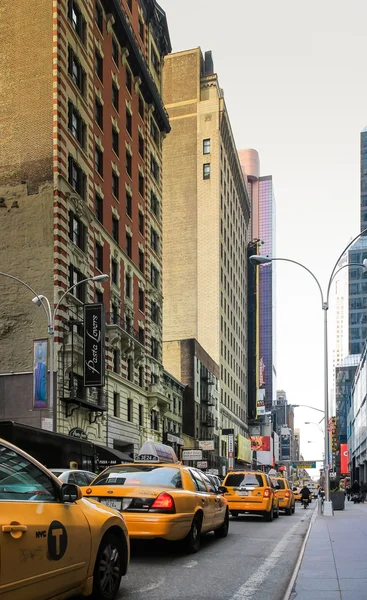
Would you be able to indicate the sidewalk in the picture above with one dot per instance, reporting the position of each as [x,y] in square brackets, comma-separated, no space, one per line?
[334,565]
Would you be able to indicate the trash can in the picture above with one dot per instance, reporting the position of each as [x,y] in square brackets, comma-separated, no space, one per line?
[338,500]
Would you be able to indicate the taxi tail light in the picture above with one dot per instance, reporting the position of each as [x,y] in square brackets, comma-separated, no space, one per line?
[287,494]
[267,493]
[163,503]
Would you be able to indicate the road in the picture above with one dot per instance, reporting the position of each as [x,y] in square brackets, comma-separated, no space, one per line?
[255,561]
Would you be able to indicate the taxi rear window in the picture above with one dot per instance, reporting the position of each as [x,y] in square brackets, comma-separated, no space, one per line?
[140,475]
[280,483]
[238,479]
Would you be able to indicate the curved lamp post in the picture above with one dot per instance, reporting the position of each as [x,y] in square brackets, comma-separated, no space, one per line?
[41,300]
[262,260]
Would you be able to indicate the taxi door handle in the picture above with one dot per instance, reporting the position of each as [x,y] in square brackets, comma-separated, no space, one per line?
[10,528]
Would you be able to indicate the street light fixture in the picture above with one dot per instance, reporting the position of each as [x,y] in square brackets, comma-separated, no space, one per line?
[313,423]
[262,260]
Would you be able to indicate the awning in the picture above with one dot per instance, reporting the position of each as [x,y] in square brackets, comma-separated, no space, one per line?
[110,456]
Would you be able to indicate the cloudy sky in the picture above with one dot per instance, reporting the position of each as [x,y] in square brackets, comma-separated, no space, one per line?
[294,77]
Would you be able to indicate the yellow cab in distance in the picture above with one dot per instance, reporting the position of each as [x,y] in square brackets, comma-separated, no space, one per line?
[285,494]
[161,498]
[53,542]
[297,494]
[251,492]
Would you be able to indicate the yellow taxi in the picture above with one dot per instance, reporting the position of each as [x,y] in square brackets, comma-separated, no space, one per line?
[251,492]
[285,495]
[297,494]
[53,542]
[161,498]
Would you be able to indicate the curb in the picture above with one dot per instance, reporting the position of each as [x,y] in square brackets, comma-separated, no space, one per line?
[289,590]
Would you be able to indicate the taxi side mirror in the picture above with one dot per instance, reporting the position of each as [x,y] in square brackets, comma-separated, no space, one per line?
[222,489]
[70,493]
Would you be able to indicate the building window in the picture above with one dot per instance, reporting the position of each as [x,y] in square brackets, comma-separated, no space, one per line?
[76,231]
[98,161]
[77,20]
[141,261]
[141,336]
[76,71]
[130,400]
[128,286]
[154,275]
[155,60]
[206,146]
[115,51]
[129,163]
[116,404]
[130,370]
[206,171]
[141,107]
[115,184]
[99,65]
[99,297]
[141,146]
[154,420]
[99,113]
[129,245]
[99,17]
[115,141]
[116,361]
[77,178]
[115,96]
[115,314]
[130,5]
[128,79]
[154,168]
[99,256]
[141,222]
[141,29]
[77,127]
[155,348]
[129,204]
[154,240]
[141,184]
[114,272]
[141,300]
[154,131]
[141,408]
[129,122]
[99,208]
[155,312]
[154,203]
[115,228]
[75,277]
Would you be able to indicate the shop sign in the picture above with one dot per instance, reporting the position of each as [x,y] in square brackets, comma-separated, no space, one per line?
[192,455]
[202,464]
[174,439]
[206,445]
[78,433]
[94,345]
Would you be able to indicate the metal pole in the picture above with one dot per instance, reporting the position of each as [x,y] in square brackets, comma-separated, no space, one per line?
[53,405]
[328,508]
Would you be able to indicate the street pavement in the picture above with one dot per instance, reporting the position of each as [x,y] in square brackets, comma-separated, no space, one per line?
[334,565]
[255,561]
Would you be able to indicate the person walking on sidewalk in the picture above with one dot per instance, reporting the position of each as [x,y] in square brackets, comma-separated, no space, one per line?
[355,489]
[363,492]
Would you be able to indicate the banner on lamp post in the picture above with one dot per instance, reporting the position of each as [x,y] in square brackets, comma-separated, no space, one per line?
[94,345]
[40,350]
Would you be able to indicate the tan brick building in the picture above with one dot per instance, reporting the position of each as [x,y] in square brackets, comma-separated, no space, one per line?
[81,128]
[205,230]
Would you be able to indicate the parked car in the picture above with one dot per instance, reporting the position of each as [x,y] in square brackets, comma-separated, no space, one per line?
[77,476]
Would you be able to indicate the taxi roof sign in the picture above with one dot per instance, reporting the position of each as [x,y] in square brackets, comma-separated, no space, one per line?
[156,452]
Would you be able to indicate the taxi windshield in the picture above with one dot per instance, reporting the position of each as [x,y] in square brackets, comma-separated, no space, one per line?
[238,479]
[140,475]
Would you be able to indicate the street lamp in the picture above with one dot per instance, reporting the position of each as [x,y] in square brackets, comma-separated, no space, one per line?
[41,300]
[313,423]
[307,406]
[262,260]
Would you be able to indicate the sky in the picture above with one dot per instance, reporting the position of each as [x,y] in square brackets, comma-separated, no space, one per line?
[295,85]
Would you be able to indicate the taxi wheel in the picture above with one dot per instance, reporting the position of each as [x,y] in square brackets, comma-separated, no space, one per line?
[276,513]
[108,568]
[222,531]
[234,513]
[269,516]
[192,540]
[294,508]
[288,511]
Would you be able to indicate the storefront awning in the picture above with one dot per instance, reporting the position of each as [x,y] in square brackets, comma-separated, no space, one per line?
[110,456]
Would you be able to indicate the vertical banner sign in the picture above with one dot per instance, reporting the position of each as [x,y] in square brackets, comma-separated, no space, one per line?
[94,345]
[344,459]
[40,373]
[231,452]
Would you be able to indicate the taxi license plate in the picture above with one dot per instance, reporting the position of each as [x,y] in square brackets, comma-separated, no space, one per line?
[111,503]
[243,493]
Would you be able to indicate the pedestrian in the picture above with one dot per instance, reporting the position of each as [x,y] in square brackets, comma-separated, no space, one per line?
[356,490]
[363,491]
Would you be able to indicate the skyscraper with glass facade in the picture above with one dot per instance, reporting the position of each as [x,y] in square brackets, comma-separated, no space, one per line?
[262,199]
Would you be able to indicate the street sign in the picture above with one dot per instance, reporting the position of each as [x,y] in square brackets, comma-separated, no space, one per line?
[206,445]
[311,464]
[192,454]
[202,464]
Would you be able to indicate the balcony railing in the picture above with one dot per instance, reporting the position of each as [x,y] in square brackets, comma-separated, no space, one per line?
[113,319]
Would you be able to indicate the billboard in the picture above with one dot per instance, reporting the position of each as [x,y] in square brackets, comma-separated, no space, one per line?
[40,373]
[244,451]
[261,402]
[94,345]
[344,459]
[260,443]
